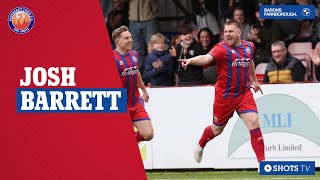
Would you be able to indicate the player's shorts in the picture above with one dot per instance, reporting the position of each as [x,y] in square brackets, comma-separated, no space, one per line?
[138,113]
[223,108]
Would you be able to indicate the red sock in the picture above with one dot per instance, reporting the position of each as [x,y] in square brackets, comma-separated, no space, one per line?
[206,136]
[139,137]
[257,143]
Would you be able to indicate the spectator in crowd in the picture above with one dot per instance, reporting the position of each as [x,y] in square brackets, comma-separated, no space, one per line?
[283,67]
[143,23]
[263,33]
[250,6]
[159,66]
[206,42]
[117,17]
[240,16]
[186,49]
[107,6]
[226,8]
[206,12]
[175,40]
[290,27]
[316,62]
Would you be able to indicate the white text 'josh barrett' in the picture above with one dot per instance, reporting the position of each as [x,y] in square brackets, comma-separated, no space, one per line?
[65,99]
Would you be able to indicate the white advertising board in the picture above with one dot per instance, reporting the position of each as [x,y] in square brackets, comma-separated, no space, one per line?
[288,114]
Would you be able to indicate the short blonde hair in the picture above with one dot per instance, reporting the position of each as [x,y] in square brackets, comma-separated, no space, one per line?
[157,38]
[117,32]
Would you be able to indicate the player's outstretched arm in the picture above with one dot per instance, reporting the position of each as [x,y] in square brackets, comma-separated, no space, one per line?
[140,84]
[200,60]
[253,77]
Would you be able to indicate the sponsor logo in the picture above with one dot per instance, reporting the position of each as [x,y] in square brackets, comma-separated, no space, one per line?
[243,62]
[284,122]
[130,71]
[306,12]
[287,11]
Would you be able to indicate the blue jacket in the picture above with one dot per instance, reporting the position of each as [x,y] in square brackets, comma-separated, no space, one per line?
[163,76]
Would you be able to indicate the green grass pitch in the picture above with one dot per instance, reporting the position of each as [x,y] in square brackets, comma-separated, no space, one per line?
[220,174]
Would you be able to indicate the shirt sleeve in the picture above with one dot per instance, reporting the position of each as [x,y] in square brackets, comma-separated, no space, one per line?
[253,48]
[217,53]
[136,54]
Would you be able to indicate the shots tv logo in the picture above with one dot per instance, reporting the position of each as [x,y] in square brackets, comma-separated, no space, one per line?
[21,20]
[287,168]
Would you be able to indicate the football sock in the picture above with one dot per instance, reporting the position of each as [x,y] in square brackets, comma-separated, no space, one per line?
[206,136]
[257,143]
[139,137]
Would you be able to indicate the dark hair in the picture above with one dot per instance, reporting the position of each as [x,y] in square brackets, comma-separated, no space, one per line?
[235,23]
[173,40]
[239,8]
[184,29]
[117,32]
[207,30]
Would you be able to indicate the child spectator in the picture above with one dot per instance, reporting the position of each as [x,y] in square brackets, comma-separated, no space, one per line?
[159,66]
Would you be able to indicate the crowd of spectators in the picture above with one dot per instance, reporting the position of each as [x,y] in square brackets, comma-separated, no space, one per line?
[159,55]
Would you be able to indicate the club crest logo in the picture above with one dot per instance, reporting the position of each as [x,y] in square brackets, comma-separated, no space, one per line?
[191,52]
[248,50]
[134,59]
[21,20]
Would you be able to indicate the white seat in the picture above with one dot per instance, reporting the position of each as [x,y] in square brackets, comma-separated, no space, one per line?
[260,71]
[261,68]
[300,48]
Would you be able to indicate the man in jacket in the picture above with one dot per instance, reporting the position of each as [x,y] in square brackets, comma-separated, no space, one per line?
[283,68]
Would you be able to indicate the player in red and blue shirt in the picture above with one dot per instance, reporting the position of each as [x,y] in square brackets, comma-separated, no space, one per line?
[127,63]
[235,69]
